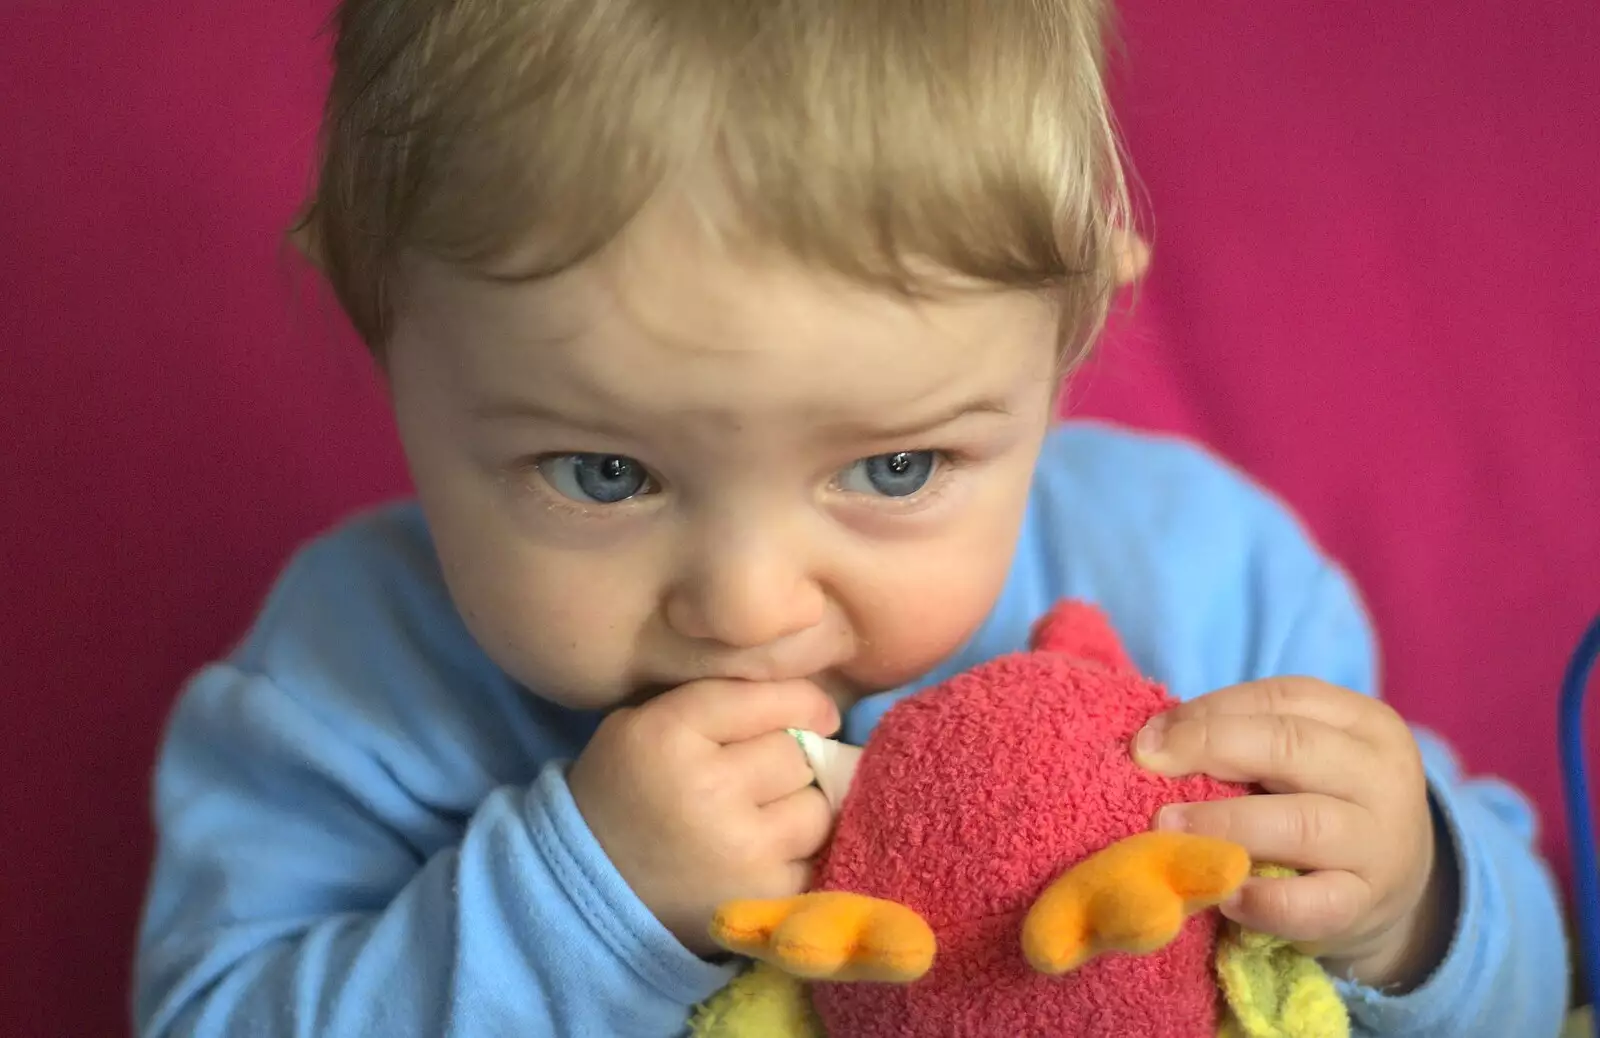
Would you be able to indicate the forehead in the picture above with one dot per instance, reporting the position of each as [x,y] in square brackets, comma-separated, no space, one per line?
[670,323]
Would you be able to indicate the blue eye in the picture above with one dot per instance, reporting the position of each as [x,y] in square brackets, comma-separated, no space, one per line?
[602,479]
[891,475]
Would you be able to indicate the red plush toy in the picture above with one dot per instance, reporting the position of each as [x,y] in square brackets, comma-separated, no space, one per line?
[993,874]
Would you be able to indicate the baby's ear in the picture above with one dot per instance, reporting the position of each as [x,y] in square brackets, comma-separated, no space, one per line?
[1132,254]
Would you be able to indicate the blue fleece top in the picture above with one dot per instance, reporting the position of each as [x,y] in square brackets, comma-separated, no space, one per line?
[364,827]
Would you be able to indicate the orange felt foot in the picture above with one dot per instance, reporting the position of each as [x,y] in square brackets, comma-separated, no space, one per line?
[829,936]
[1131,897]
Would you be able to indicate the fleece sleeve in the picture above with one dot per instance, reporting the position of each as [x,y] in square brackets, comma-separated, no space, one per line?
[1506,970]
[300,889]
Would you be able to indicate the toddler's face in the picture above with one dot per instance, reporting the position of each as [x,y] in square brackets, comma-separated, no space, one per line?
[674,464]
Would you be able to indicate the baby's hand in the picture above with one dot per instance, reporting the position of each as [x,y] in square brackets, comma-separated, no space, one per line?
[701,796]
[1347,804]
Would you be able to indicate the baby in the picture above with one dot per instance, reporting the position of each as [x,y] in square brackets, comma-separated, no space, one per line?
[724,339]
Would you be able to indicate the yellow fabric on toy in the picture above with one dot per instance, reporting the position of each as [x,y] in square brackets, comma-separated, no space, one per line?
[1273,990]
[762,1002]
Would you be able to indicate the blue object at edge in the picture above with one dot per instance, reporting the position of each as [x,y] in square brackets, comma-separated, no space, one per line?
[1580,814]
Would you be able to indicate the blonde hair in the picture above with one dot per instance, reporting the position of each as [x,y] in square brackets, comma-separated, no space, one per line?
[879,139]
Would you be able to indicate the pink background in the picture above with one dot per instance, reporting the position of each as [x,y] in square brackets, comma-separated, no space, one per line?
[1377,285]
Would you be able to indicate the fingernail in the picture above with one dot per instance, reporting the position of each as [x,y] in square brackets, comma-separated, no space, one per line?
[1233,906]
[1148,742]
[1173,819]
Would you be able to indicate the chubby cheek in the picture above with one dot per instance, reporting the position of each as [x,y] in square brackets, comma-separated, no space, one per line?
[918,612]
[561,623]
[916,602]
[574,648]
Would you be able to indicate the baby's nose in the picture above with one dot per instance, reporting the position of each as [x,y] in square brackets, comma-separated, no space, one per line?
[745,598]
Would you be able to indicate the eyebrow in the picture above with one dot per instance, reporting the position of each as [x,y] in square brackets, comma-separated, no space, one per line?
[508,410]
[922,426]
[529,411]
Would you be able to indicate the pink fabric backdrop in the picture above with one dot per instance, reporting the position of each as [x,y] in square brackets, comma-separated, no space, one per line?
[1377,284]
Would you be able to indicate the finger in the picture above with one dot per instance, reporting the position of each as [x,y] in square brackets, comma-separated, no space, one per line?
[770,766]
[1283,753]
[733,711]
[797,877]
[1309,909]
[799,824]
[1302,697]
[784,880]
[1296,830]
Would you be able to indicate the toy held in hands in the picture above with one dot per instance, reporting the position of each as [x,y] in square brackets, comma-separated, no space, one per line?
[993,873]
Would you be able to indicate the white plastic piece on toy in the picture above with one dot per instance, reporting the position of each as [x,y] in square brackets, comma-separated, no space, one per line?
[832,762]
